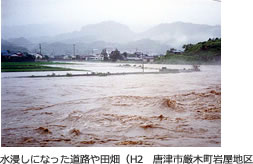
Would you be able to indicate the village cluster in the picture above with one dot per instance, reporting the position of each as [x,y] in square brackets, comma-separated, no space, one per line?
[104,55]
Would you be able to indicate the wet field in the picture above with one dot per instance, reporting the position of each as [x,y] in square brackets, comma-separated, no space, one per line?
[127,110]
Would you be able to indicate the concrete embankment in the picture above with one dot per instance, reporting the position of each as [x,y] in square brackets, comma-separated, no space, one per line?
[109,74]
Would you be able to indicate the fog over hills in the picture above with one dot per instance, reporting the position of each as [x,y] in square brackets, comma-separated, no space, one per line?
[109,31]
[20,41]
[179,33]
[109,34]
[105,31]
[6,45]
[34,30]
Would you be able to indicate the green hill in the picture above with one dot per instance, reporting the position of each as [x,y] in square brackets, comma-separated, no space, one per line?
[207,52]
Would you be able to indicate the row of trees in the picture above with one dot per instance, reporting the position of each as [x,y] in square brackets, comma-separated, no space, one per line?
[113,56]
[116,55]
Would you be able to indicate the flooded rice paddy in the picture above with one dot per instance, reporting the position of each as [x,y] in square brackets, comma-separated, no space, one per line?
[127,110]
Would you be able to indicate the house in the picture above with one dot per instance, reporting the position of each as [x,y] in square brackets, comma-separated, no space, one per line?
[174,51]
[66,57]
[178,52]
[58,57]
[99,57]
[89,57]
[137,56]
[37,56]
[7,56]
[134,59]
[20,54]
[6,53]
[148,58]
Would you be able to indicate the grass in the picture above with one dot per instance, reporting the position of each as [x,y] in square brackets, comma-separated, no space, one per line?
[32,67]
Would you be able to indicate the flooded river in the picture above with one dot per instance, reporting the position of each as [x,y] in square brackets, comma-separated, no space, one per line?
[126,110]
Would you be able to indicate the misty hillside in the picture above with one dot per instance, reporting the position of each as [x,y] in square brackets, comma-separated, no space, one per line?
[179,33]
[33,30]
[172,34]
[5,45]
[59,48]
[20,41]
[146,46]
[111,34]
[105,31]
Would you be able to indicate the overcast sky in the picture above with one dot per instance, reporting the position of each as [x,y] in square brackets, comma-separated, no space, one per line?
[138,14]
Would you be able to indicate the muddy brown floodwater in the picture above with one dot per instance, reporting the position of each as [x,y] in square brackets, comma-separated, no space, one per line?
[129,110]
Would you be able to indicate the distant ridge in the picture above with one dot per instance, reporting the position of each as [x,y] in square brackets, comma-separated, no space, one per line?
[113,34]
[179,33]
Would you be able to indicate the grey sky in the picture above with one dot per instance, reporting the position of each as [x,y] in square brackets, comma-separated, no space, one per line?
[138,14]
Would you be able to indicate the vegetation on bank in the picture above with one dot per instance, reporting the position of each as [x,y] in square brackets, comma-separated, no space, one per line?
[32,67]
[207,52]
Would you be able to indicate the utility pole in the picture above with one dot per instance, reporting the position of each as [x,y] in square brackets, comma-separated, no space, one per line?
[142,63]
[74,50]
[40,48]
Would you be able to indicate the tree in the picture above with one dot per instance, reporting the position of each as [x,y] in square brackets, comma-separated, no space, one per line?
[104,54]
[46,57]
[172,50]
[125,54]
[115,55]
[187,47]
